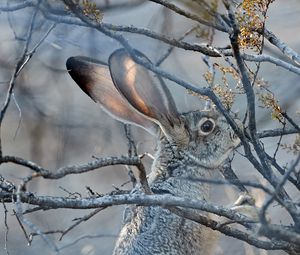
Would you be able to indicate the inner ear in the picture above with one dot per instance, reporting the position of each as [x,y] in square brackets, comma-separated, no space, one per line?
[146,92]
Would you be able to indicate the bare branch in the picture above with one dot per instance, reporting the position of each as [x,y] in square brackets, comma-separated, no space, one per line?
[233,232]
[147,200]
[276,132]
[97,236]
[17,6]
[191,16]
[6,229]
[72,169]
[285,49]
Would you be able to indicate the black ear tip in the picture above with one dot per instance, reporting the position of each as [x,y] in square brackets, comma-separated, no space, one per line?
[80,68]
[70,63]
[76,63]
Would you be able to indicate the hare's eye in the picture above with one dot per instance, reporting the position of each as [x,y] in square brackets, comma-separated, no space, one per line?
[206,126]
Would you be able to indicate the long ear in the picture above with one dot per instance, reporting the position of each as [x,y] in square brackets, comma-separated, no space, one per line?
[147,93]
[94,79]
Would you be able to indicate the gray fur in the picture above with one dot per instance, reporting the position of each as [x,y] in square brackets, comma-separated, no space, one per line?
[154,230]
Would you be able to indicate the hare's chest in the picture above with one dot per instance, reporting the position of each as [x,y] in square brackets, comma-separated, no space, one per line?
[183,181]
[182,188]
[159,231]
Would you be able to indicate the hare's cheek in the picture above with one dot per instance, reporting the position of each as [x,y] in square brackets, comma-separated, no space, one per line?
[210,147]
[218,132]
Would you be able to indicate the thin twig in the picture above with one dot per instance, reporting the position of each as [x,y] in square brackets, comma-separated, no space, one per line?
[22,227]
[276,192]
[97,236]
[190,16]
[82,219]
[230,176]
[282,171]
[6,228]
[276,132]
[143,178]
[71,169]
[170,49]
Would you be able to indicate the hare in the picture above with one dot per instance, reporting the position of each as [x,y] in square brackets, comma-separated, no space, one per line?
[190,145]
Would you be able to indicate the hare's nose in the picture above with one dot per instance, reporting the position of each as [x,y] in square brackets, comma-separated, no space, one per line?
[239,124]
[234,136]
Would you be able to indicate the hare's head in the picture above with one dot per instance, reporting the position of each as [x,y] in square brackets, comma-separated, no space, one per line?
[132,94]
[211,139]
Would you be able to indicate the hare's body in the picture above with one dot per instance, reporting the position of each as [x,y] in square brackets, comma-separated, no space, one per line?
[155,230]
[190,147]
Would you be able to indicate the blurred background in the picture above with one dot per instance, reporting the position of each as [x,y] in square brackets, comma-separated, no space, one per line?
[53,123]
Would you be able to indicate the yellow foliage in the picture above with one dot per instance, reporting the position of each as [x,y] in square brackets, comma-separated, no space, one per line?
[251,16]
[225,94]
[223,91]
[90,10]
[269,101]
